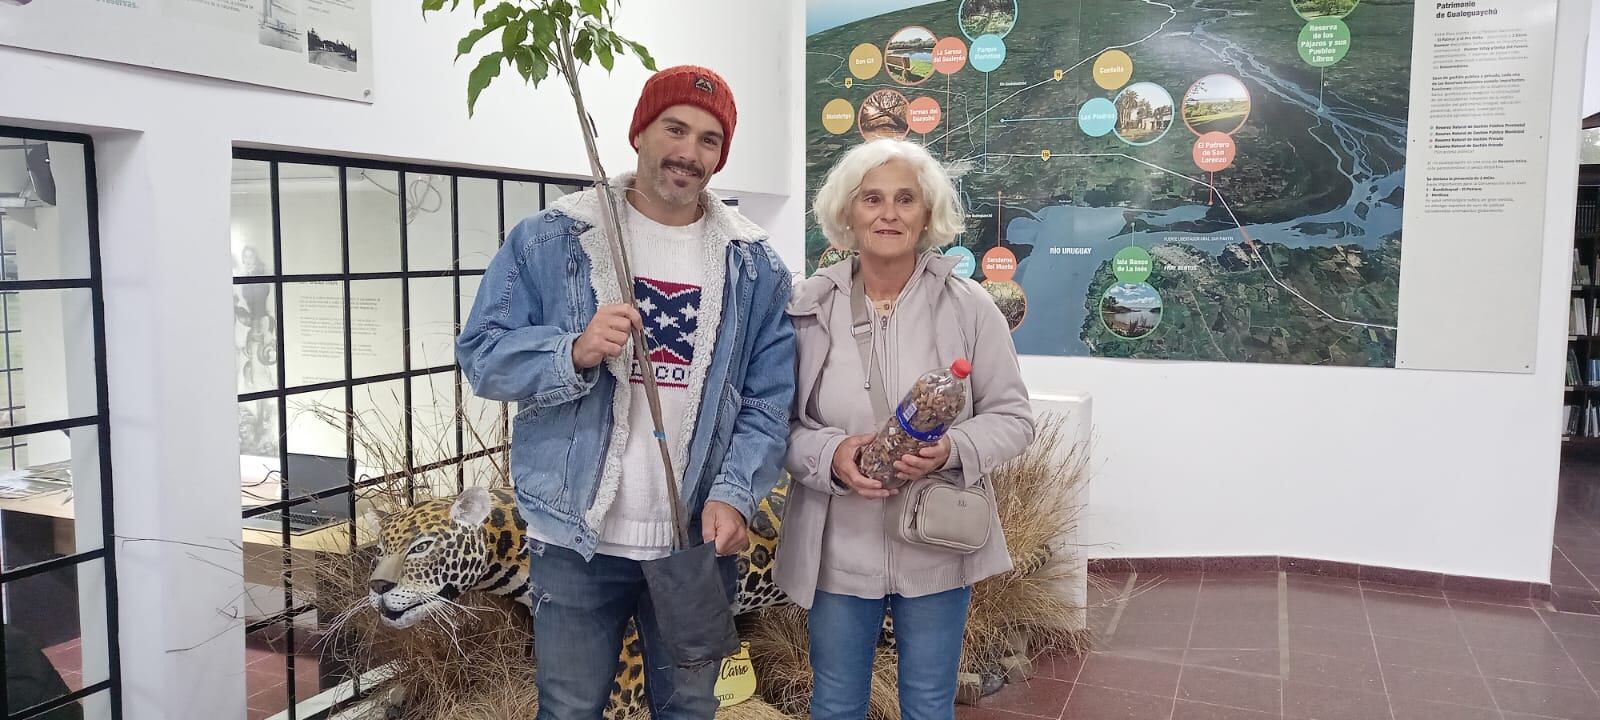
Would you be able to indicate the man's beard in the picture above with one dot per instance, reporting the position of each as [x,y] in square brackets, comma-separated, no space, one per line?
[670,192]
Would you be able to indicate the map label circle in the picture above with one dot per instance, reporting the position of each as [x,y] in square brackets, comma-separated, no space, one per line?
[1132,264]
[999,264]
[1097,117]
[923,115]
[865,61]
[1113,69]
[1324,41]
[987,53]
[1214,151]
[949,55]
[838,116]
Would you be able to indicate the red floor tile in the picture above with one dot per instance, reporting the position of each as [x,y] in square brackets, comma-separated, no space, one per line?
[1451,656]
[1338,643]
[1419,684]
[1130,674]
[1336,672]
[1413,709]
[1257,662]
[1093,703]
[1230,689]
[1186,710]
[1557,670]
[1546,700]
[1304,702]
[984,713]
[1039,697]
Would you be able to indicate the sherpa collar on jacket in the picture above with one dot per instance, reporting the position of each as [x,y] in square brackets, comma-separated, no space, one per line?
[721,221]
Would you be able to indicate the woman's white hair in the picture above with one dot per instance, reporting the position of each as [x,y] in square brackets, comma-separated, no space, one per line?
[832,206]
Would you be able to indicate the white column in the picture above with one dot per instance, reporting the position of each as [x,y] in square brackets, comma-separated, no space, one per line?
[1076,432]
[164,248]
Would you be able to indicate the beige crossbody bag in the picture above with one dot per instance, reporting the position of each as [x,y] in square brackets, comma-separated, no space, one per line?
[931,510]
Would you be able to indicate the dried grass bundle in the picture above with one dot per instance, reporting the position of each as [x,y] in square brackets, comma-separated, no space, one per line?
[472,661]
[1033,495]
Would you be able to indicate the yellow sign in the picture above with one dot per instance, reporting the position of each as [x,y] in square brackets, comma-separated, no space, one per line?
[1059,74]
[865,61]
[737,682]
[838,116]
[1044,154]
[1113,69]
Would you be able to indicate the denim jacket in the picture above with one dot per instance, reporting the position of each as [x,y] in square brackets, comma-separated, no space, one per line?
[539,294]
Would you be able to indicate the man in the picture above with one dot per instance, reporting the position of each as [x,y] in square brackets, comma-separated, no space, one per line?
[548,332]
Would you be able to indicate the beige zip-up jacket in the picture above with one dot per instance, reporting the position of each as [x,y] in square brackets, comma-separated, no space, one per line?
[836,540]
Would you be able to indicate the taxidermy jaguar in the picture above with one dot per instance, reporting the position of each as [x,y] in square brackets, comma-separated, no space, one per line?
[432,552]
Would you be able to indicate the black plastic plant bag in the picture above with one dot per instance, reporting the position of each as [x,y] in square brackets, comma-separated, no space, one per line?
[692,608]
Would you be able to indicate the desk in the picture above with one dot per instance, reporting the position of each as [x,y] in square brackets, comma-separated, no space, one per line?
[332,539]
[44,526]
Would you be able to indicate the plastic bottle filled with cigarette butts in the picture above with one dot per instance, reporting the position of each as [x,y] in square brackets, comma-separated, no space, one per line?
[919,421]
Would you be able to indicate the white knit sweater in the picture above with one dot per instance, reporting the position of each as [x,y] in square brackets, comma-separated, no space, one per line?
[669,271]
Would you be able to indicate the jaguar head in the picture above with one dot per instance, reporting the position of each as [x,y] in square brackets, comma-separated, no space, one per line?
[428,554]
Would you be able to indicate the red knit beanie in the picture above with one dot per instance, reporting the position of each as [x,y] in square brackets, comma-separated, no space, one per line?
[686,85]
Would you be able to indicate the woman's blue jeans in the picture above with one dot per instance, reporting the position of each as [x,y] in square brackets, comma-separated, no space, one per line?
[844,636]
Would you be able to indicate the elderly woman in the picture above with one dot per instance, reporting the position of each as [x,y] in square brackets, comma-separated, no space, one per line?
[892,203]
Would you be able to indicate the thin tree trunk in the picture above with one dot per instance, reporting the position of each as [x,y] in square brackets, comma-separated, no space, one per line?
[619,257]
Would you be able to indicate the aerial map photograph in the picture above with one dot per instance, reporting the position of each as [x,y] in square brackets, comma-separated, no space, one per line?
[1218,180]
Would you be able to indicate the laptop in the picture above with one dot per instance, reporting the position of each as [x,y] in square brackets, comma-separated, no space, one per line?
[308,475]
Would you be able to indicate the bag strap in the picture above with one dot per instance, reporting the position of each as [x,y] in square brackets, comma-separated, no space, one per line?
[866,345]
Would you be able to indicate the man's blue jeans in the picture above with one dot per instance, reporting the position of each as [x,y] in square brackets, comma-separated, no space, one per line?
[580,613]
[927,631]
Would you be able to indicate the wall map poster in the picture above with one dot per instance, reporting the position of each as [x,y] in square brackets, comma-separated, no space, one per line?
[1165,179]
[314,46]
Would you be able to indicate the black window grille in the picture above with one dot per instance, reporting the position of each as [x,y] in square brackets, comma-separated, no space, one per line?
[351,278]
[59,603]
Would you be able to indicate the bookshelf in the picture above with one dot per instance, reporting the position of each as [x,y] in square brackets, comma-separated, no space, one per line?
[1581,411]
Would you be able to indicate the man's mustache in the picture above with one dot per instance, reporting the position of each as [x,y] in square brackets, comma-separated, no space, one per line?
[692,168]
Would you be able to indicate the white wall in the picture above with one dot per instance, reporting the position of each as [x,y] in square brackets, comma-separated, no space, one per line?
[164,144]
[1591,80]
[1441,471]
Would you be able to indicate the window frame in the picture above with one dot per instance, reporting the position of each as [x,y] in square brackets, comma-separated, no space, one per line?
[277,280]
[101,421]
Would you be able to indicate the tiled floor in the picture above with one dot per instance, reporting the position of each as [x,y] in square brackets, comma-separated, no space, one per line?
[1244,646]
[67,659]
[1253,646]
[1268,645]
[266,680]
[1575,560]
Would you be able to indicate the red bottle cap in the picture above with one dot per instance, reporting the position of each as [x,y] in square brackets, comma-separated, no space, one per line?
[961,368]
